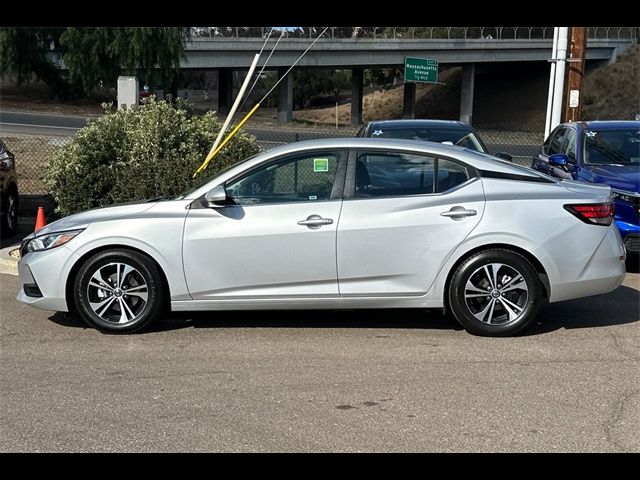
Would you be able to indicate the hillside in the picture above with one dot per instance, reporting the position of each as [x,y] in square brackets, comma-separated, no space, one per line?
[508,95]
[613,91]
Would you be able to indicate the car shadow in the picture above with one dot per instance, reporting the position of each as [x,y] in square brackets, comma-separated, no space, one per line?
[375,318]
[619,307]
[15,240]
[633,263]
[380,318]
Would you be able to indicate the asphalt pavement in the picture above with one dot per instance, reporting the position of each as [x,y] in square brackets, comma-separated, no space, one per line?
[349,381]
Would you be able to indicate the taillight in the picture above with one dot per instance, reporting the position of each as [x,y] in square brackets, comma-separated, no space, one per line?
[594,213]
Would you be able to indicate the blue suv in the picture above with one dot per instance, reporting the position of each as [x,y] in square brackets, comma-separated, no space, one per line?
[600,152]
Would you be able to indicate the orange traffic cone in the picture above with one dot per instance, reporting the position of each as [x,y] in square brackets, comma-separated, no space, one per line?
[40,220]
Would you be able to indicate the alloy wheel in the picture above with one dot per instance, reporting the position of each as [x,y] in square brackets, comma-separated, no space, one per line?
[496,294]
[118,293]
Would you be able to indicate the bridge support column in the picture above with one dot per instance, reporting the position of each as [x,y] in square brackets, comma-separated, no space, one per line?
[357,77]
[285,97]
[409,102]
[225,90]
[466,92]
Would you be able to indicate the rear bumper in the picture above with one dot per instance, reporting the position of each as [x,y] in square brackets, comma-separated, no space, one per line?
[602,273]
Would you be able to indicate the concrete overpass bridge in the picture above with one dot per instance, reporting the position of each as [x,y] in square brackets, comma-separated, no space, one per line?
[228,54]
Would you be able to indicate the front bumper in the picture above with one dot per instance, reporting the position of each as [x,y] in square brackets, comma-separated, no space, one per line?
[46,273]
[630,234]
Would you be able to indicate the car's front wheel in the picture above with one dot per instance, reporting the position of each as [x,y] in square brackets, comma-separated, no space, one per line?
[495,292]
[119,291]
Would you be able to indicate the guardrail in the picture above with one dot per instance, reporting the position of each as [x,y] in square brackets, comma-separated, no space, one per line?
[487,33]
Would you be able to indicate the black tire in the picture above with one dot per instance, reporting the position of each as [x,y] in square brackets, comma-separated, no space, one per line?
[9,221]
[515,303]
[144,277]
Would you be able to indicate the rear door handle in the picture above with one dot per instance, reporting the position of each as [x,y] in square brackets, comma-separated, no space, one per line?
[315,221]
[458,213]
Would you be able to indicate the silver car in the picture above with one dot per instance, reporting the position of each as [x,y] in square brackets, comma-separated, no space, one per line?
[340,223]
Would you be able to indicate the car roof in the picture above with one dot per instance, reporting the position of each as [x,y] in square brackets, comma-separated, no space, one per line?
[607,124]
[419,123]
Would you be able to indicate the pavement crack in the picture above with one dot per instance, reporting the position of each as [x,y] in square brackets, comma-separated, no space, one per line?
[620,347]
[617,414]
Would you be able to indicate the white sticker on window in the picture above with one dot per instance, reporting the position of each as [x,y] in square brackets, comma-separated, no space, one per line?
[591,133]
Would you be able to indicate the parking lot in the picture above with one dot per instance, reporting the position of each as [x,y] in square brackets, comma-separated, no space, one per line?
[323,381]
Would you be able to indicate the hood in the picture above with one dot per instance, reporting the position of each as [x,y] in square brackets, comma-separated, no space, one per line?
[82,220]
[621,178]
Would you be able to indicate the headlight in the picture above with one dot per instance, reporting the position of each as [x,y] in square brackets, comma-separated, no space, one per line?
[629,197]
[47,242]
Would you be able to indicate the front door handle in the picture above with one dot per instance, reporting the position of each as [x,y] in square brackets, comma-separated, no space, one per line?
[458,213]
[315,221]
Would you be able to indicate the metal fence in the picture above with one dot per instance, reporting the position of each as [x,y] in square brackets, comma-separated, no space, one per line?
[521,145]
[33,152]
[467,33]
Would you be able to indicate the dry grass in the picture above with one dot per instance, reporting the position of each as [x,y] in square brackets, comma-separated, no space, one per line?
[613,91]
[35,98]
[386,104]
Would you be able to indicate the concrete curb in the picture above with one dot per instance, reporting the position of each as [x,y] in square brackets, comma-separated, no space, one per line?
[8,262]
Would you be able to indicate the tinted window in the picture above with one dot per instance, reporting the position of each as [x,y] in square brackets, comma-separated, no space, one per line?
[555,145]
[296,179]
[620,147]
[569,145]
[452,136]
[397,174]
[450,175]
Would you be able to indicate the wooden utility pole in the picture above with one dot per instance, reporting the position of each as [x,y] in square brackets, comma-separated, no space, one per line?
[575,72]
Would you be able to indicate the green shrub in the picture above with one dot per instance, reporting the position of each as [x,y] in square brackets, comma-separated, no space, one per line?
[136,154]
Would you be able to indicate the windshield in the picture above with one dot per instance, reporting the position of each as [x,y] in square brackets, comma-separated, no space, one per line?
[201,180]
[451,136]
[612,147]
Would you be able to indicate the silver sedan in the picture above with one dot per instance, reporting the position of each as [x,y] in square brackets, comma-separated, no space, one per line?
[340,223]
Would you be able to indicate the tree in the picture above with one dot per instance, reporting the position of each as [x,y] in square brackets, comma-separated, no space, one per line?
[93,56]
[25,52]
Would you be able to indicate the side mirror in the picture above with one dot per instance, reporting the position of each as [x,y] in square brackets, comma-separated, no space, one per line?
[216,197]
[504,156]
[558,160]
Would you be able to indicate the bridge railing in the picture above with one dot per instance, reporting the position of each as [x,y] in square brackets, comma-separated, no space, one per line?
[487,33]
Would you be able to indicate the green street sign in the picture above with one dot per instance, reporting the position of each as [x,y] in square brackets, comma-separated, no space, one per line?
[423,70]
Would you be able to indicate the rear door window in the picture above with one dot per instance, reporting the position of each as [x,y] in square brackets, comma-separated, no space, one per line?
[384,174]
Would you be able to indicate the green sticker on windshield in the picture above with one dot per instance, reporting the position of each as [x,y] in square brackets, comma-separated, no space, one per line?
[320,164]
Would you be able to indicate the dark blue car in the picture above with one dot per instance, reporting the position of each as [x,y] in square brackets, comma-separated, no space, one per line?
[600,152]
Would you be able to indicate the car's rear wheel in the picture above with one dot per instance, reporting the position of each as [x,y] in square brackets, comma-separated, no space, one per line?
[495,292]
[9,222]
[119,291]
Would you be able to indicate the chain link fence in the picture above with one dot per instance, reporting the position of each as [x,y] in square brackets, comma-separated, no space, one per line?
[33,152]
[522,145]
